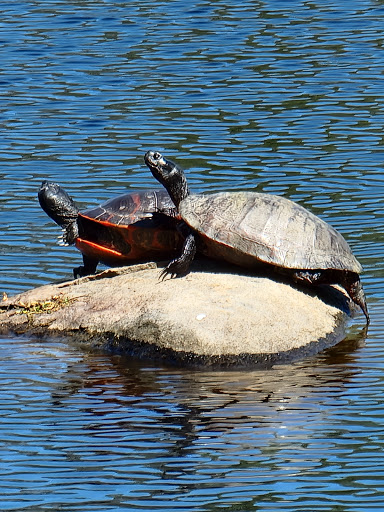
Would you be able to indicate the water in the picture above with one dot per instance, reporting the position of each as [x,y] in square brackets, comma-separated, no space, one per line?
[280,97]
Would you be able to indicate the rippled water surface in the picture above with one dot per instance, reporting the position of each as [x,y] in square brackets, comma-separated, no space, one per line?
[273,96]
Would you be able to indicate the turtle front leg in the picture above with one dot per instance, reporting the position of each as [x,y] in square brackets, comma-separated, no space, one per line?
[180,266]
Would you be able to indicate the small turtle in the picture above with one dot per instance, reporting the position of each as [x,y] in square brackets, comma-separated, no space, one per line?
[126,229]
[258,231]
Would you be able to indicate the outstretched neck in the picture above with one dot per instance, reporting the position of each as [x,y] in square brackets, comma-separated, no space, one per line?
[177,186]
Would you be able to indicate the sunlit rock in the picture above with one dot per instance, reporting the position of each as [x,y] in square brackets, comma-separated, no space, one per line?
[204,318]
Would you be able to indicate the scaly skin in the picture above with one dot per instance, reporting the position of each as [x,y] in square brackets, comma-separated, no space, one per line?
[173,179]
[61,208]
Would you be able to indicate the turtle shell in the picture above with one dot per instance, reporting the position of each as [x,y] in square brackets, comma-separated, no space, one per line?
[125,229]
[250,227]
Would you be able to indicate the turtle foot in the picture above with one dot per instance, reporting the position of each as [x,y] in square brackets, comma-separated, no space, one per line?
[80,272]
[180,266]
[174,269]
[356,292]
[88,269]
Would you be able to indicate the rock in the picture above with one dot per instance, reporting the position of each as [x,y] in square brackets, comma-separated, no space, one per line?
[205,318]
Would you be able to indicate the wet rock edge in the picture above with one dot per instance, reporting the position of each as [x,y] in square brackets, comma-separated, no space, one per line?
[113,343]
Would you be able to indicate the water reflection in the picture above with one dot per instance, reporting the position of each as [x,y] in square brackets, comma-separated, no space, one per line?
[139,434]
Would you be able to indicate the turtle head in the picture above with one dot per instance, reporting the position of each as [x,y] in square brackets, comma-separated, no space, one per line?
[170,175]
[60,207]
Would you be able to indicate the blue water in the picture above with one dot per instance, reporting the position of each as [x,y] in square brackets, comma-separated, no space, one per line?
[273,96]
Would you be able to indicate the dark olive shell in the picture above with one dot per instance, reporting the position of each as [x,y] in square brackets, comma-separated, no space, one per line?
[270,228]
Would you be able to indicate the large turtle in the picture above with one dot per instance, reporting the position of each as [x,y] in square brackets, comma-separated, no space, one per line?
[124,230]
[259,231]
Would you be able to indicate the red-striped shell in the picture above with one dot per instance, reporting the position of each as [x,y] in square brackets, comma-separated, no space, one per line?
[123,230]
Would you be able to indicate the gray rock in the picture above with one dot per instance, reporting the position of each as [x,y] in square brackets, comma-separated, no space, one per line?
[204,318]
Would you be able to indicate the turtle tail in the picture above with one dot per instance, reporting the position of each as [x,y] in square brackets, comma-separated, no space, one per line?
[61,208]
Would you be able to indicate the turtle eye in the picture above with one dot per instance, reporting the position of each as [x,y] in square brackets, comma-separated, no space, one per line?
[156,155]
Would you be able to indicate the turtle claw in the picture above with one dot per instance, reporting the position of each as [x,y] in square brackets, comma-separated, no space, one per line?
[180,266]
[166,272]
[175,268]
[62,241]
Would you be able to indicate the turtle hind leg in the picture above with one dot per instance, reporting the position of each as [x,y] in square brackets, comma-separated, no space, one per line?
[89,267]
[355,290]
[350,281]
